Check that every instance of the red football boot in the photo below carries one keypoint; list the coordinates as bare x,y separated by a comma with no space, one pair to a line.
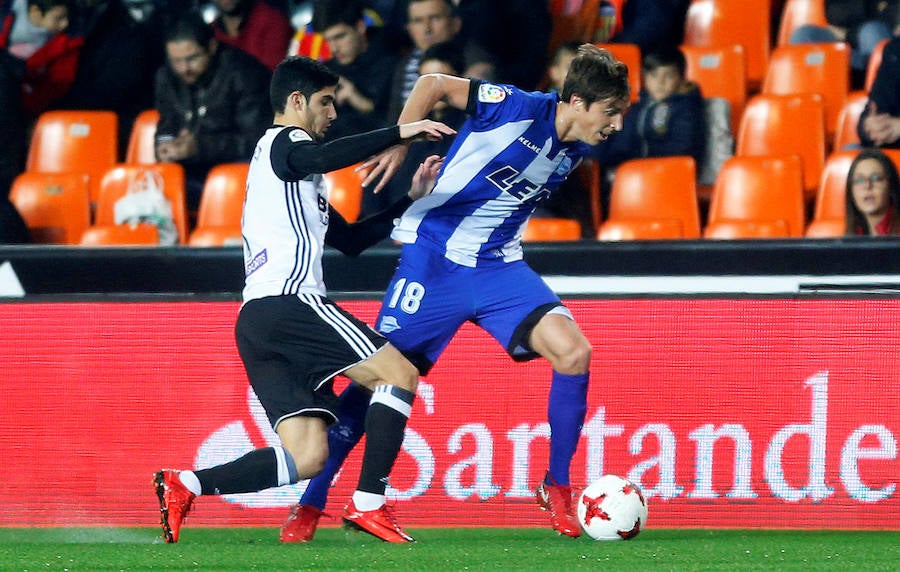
557,499
380,523
301,524
174,502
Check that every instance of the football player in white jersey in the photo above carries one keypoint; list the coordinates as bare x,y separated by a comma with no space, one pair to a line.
462,256
292,339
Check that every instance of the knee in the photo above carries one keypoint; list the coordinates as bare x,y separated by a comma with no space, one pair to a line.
575,360
310,461
407,376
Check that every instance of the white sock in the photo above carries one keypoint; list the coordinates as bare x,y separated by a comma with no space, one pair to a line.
190,482
364,501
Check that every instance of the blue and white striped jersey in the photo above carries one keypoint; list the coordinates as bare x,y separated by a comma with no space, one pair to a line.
505,160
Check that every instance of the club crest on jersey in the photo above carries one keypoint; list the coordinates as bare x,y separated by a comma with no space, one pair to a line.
298,135
488,93
564,167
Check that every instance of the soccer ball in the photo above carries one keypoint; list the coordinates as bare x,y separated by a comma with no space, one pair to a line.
612,508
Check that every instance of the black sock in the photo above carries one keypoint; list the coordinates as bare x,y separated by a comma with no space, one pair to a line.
385,423
255,471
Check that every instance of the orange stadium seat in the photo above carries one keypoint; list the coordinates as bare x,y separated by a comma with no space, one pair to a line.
551,229
116,183
630,55
653,199
757,197
345,191
874,63
798,13
142,141
56,207
121,235
79,141
717,23
221,206
829,214
785,125
720,72
822,68
848,119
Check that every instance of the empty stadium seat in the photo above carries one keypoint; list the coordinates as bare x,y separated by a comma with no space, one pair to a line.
74,141
757,197
822,68
551,229
118,182
630,55
142,141
796,13
221,206
720,72
785,125
56,207
717,23
345,191
653,199
121,235
848,120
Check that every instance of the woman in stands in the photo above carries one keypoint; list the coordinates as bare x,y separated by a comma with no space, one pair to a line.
873,195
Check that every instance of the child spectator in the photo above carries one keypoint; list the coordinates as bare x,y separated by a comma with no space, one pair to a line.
668,119
33,31
873,193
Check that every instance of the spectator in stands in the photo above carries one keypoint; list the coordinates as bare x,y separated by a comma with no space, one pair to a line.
431,22
439,58
879,123
861,23
873,195
212,101
559,65
667,120
12,159
256,27
118,60
34,32
652,24
364,66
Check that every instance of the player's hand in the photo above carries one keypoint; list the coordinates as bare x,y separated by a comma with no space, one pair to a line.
383,165
425,177
426,129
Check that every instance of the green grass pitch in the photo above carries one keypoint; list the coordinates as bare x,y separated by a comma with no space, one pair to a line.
89,549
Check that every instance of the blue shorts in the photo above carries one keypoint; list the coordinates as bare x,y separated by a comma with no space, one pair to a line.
430,297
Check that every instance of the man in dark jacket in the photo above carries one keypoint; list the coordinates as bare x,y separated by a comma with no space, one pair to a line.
212,101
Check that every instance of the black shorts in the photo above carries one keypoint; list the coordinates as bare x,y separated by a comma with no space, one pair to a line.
293,346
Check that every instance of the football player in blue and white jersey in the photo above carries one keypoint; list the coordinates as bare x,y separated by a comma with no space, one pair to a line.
462,256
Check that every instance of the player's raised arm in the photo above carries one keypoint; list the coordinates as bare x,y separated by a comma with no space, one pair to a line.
428,90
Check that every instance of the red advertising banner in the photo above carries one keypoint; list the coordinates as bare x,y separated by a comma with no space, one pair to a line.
772,413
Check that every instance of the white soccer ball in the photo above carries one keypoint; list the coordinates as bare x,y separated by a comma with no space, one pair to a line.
612,508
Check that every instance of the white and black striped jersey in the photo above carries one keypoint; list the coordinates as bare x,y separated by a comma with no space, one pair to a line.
285,224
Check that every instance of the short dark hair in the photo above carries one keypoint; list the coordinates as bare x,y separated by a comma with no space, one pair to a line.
298,73
595,75
190,27
447,52
451,6
328,13
665,57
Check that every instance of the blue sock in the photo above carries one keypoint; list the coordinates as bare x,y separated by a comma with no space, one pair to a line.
566,409
342,437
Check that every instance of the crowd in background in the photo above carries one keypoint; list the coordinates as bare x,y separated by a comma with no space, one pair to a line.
131,55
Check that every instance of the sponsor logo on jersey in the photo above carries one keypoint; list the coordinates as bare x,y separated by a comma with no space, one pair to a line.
298,135
488,93
256,262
